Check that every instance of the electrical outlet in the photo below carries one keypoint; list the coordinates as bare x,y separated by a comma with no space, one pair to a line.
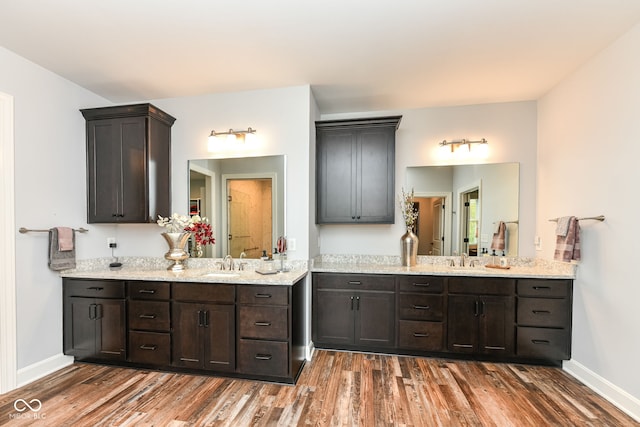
291,244
538,243
111,242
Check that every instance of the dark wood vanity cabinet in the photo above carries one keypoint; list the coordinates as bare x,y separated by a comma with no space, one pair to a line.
481,316
249,331
94,323
494,318
203,323
544,315
149,323
353,311
264,317
128,163
421,308
356,170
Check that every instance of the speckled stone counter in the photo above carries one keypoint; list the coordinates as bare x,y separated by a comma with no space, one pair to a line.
197,270
430,265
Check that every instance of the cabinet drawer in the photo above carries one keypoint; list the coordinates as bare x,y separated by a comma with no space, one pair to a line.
434,284
149,315
204,292
269,294
354,281
481,286
264,322
149,290
94,288
542,343
420,306
427,336
257,357
544,288
553,313
150,348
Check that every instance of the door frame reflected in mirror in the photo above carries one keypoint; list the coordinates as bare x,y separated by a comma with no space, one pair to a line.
226,222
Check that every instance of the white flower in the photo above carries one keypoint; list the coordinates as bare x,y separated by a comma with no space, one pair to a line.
409,213
176,223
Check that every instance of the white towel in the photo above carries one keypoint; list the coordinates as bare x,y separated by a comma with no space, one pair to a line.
563,226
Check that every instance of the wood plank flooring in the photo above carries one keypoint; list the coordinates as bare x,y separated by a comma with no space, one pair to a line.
335,388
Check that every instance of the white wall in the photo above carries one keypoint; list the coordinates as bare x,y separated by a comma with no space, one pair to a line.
588,165
49,191
510,129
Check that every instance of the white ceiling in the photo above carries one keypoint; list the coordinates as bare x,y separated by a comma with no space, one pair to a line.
357,55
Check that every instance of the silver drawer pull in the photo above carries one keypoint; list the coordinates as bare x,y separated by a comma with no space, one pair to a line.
422,307
420,335
541,342
148,347
355,282
263,295
541,288
424,285
540,311
262,323
263,356
147,316
95,288
146,291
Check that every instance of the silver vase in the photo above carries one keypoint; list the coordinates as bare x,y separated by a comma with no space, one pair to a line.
408,249
177,253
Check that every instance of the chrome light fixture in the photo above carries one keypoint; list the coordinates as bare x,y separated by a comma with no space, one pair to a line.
464,146
231,136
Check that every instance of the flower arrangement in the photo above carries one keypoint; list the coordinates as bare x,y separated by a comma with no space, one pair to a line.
176,223
201,230
409,213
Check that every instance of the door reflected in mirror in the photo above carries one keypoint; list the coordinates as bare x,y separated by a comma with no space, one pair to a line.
244,200
460,207
249,219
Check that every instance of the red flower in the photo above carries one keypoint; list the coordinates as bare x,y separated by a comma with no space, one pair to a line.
202,232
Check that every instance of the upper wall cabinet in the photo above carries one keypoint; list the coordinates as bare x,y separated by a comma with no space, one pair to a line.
128,163
356,170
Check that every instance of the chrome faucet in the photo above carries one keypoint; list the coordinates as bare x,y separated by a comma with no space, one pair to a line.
463,257
228,262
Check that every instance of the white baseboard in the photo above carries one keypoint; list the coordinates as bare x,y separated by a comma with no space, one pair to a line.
42,369
310,349
614,394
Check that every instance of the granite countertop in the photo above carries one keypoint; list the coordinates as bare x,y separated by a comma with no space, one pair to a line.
427,265
197,271
206,270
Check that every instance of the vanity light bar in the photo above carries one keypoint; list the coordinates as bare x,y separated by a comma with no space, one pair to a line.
233,132
458,142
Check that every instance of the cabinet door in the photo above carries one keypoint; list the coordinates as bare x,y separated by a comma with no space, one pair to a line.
187,336
336,184
333,314
110,327
375,175
462,319
220,337
79,328
375,319
116,161
497,326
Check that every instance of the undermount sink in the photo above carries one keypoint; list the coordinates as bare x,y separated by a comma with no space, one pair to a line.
222,274
465,268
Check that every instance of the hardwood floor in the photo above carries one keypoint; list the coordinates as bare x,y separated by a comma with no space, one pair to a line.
335,388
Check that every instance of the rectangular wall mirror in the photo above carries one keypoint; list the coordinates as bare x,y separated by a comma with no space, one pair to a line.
244,199
461,206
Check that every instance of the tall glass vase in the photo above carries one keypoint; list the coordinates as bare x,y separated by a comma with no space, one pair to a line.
408,249
177,253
